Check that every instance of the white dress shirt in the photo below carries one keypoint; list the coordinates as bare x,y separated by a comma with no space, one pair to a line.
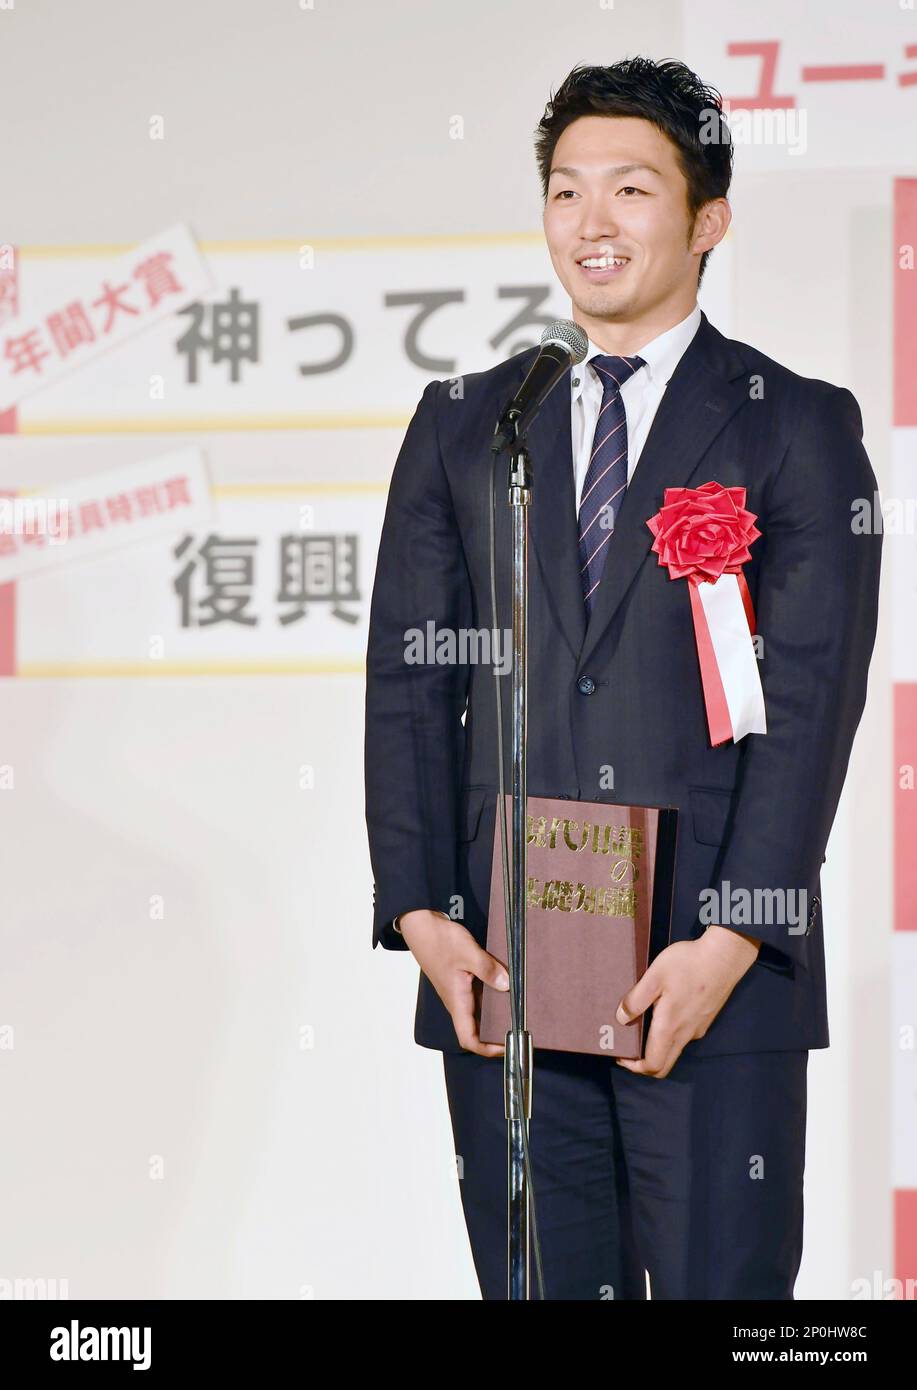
641,394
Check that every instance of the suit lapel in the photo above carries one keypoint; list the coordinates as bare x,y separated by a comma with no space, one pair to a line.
553,523
706,389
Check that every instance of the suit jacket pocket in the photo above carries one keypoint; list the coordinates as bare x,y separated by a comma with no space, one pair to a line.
711,808
473,801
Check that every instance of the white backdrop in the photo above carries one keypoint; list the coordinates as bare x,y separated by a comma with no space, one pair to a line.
208,1082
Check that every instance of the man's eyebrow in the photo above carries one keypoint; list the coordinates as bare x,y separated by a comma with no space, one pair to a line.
614,170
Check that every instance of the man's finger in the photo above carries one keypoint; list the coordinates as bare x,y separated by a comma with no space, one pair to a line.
488,969
662,1052
466,1030
465,1021
658,1046
648,1068
638,999
484,1049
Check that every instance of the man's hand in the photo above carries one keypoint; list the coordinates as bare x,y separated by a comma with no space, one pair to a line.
687,984
457,968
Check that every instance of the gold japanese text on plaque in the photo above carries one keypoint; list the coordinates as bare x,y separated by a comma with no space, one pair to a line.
624,843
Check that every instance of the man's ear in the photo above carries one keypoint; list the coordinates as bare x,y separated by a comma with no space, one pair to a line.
711,223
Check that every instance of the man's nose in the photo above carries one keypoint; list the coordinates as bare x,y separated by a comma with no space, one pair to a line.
599,223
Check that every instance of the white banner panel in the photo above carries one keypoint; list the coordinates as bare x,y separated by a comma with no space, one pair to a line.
341,334
72,314
122,507
278,580
814,86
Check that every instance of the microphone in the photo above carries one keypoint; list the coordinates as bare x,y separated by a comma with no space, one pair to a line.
563,345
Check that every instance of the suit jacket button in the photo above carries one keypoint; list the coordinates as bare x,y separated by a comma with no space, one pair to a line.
586,685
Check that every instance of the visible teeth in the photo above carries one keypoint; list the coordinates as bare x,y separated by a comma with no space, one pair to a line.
603,262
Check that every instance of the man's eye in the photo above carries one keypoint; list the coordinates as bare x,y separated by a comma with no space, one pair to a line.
563,191
630,189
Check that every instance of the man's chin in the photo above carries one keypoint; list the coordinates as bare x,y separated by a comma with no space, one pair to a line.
612,307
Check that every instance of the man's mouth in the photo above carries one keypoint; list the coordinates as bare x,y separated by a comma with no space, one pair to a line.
600,268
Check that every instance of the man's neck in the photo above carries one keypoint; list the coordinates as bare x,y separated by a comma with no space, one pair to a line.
625,338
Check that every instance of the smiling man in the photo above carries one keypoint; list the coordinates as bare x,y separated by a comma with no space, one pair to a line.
687,1164
624,220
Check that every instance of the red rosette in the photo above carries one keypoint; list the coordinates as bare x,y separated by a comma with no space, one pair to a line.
700,534
703,532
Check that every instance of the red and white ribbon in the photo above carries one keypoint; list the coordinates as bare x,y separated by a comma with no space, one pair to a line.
724,625
702,534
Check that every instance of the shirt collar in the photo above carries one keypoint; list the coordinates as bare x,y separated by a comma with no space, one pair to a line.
661,355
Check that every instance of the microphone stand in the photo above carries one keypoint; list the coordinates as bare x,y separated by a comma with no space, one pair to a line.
518,1058
562,344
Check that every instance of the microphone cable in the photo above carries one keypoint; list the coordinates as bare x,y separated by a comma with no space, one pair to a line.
508,896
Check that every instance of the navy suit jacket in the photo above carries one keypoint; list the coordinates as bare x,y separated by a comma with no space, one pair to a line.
754,815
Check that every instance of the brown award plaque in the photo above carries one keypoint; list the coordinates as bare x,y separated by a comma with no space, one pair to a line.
600,880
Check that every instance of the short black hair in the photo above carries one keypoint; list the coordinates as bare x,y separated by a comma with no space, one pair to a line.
671,97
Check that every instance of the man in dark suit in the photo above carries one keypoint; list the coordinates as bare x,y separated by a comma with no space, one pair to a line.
689,1163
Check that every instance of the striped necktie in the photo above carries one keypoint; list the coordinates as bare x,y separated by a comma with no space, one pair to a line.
605,483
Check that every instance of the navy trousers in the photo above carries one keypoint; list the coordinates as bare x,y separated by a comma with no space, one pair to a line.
696,1178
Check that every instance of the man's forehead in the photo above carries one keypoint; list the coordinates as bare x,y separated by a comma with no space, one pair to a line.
613,144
